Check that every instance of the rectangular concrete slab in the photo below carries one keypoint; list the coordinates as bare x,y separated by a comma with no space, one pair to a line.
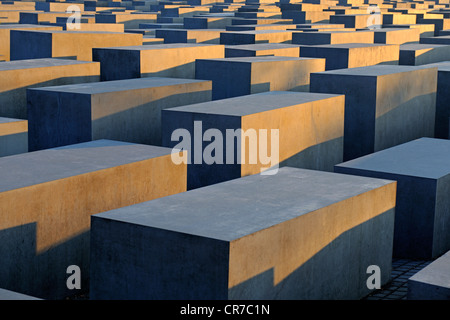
432,282
232,77
332,37
125,110
422,170
420,54
384,105
268,237
70,44
42,236
175,60
300,129
352,55
17,76
5,30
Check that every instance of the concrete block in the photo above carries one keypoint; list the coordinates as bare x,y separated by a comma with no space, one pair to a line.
124,110
69,44
160,60
436,40
420,54
351,20
256,27
432,282
262,49
396,35
211,36
130,20
422,215
299,234
13,136
63,187
207,22
425,30
256,36
17,76
5,30
309,128
352,55
384,105
332,37
233,77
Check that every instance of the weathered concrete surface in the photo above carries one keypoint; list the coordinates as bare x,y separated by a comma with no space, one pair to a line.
299,234
124,110
175,60
13,136
17,76
256,36
310,129
432,282
49,231
384,105
232,77
422,171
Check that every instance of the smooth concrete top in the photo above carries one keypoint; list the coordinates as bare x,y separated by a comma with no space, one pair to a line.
420,46
259,59
442,66
162,46
254,103
239,207
348,45
373,71
11,295
32,168
436,273
24,26
118,85
262,46
266,31
39,63
424,157
9,120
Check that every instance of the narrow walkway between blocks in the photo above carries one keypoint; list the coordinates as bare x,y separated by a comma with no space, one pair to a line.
397,288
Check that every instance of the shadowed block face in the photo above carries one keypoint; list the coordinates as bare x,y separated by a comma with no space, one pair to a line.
353,55
264,237
13,136
233,77
160,60
337,37
5,30
422,170
272,49
257,132
75,44
385,105
17,76
63,187
124,110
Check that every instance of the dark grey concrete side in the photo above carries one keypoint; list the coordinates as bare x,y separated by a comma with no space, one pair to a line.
177,247
422,171
432,282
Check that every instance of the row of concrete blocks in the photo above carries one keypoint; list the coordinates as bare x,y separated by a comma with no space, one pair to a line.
121,213
31,42
141,110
